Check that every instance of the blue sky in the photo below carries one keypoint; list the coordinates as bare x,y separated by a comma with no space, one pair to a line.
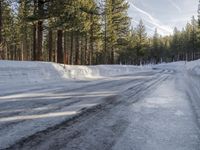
162,14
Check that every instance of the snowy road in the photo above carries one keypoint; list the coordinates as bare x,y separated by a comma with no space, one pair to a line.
148,110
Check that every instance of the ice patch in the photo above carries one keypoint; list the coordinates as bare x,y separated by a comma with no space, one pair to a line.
179,113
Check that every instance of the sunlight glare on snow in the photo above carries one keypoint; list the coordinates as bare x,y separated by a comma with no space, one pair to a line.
29,117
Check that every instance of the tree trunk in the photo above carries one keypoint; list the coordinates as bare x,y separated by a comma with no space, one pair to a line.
81,51
71,49
91,41
24,46
105,41
25,49
34,35
34,42
40,29
65,48
50,42
59,46
39,40
112,55
86,50
77,49
15,52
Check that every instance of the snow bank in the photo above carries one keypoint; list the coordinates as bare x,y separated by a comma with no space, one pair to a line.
193,67
83,72
20,73
17,72
178,66
26,72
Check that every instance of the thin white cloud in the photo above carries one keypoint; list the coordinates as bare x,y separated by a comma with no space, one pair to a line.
175,6
147,26
162,28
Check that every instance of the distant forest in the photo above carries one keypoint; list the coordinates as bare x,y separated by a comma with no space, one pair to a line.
87,32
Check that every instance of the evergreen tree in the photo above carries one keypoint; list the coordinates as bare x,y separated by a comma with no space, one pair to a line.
87,32
141,42
8,32
198,31
155,53
116,22
1,26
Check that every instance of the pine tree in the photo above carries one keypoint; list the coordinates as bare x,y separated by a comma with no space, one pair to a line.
198,31
141,42
155,51
128,54
199,13
116,26
8,32
175,45
194,39
25,33
1,26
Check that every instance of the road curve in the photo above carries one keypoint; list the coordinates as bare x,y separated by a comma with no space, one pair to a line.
122,113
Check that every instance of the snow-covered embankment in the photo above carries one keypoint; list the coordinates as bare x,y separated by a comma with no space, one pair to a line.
192,83
16,75
41,72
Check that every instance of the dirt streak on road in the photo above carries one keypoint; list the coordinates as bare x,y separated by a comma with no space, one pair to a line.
96,127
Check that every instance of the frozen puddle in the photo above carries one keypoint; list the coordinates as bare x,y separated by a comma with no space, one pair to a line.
164,120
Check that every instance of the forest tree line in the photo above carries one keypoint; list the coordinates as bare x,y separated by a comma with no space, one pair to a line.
87,32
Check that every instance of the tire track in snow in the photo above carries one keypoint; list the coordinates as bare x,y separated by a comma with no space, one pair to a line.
86,114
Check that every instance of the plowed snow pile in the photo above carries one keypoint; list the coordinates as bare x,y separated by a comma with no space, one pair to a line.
20,73
194,67
16,72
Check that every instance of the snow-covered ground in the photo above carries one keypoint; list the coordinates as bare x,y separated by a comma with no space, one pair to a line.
194,67
51,106
36,95
41,72
16,75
